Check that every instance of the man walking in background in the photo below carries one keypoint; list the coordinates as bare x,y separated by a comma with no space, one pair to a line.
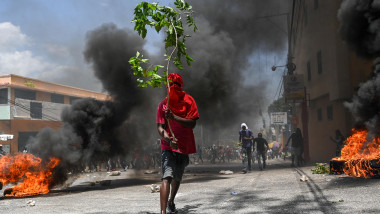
245,138
261,146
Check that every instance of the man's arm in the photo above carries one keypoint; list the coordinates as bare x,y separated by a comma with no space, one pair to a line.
266,143
161,130
289,140
189,123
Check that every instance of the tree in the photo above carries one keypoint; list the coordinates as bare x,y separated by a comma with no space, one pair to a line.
278,106
159,17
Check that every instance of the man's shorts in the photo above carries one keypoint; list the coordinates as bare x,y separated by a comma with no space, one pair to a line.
173,164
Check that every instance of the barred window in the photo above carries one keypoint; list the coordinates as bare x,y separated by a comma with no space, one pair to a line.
36,110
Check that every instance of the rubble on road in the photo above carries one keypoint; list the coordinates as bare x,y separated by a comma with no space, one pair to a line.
31,203
155,188
151,172
226,172
303,178
114,173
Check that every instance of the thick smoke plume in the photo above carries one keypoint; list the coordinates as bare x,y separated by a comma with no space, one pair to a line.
93,129
229,34
360,28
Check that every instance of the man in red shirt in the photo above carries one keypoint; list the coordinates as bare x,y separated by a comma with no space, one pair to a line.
182,114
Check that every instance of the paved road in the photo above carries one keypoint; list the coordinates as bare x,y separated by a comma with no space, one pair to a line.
278,189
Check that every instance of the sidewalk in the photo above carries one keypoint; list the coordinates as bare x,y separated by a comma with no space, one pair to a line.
278,189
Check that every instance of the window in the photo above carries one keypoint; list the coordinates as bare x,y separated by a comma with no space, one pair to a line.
57,98
319,113
308,71
4,96
319,60
36,110
25,94
72,99
329,113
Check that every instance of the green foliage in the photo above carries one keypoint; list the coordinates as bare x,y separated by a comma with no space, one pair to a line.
321,169
159,17
278,106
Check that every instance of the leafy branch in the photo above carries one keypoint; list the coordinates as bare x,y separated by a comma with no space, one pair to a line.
159,17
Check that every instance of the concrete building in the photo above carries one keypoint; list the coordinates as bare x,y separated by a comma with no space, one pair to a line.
331,72
28,105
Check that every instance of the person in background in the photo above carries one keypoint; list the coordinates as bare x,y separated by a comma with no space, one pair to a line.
296,148
339,140
245,138
182,115
261,147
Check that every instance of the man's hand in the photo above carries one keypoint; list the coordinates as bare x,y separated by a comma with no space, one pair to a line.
169,115
174,143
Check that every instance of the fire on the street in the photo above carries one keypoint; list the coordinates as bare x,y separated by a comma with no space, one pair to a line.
359,157
29,173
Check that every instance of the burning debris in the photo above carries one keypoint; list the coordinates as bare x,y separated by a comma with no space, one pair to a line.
359,158
30,174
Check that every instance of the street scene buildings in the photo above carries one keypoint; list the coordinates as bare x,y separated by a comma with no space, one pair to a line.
265,107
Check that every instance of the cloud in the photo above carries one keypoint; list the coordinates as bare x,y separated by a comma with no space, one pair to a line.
20,56
11,37
22,63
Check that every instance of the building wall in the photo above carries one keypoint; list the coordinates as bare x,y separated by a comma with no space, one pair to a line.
342,72
14,127
15,117
15,81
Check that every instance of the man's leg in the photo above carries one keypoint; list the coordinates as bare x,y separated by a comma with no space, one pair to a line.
174,189
244,159
264,159
249,155
164,193
258,155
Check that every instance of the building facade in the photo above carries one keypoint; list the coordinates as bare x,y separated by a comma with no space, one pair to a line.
29,105
331,72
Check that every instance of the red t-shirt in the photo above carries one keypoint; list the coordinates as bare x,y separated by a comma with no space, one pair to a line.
185,136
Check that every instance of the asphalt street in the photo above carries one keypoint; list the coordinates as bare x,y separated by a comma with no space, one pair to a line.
277,189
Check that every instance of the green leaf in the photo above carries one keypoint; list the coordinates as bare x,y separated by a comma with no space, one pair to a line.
159,17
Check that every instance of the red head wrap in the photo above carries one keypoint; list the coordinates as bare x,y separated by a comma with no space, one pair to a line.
179,101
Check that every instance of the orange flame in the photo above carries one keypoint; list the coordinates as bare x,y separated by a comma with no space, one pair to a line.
33,177
359,153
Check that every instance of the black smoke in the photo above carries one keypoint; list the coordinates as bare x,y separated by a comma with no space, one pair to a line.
360,29
229,34
95,130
